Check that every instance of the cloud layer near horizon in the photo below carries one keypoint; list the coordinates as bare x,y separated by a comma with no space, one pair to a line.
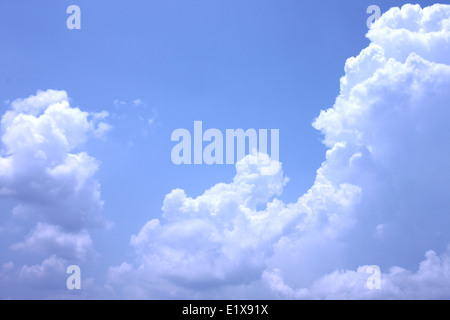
380,198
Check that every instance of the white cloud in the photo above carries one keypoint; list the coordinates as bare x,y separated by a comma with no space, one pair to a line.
389,122
138,102
119,103
380,197
49,269
220,238
430,281
413,29
50,179
216,237
102,128
45,280
41,168
53,240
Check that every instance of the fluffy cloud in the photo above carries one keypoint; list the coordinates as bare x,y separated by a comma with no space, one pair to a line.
52,240
217,237
380,197
40,168
389,121
430,281
221,238
48,272
401,31
31,281
44,171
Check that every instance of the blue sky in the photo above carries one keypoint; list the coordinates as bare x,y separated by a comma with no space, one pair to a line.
155,66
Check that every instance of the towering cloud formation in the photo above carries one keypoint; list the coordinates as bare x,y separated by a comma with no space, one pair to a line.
388,129
381,196
44,171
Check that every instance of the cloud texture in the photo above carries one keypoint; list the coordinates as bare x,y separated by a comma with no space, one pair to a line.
380,197
50,179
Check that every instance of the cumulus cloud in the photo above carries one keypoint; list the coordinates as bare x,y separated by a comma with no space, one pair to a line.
218,236
48,275
50,179
222,238
53,240
48,272
390,122
401,31
430,281
42,167
379,198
